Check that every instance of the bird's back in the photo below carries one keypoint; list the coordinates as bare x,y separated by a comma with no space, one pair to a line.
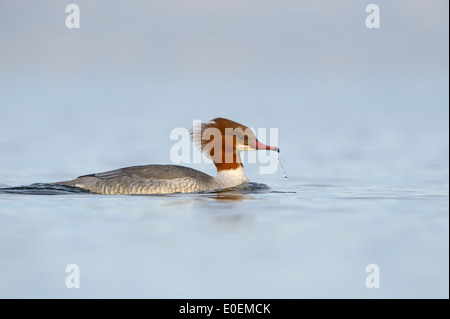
146,179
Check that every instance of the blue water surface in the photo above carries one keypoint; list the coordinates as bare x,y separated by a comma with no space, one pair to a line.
368,184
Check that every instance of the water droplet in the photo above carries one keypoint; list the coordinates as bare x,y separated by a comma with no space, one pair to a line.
282,169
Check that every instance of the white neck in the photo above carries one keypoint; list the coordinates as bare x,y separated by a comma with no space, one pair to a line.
231,177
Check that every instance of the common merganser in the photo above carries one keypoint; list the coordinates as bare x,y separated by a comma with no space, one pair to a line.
221,139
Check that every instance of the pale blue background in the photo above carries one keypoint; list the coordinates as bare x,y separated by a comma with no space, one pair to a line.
363,131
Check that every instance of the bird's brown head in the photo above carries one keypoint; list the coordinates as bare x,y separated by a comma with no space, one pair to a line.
223,140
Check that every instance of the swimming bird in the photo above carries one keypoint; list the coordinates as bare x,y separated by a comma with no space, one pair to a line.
221,139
